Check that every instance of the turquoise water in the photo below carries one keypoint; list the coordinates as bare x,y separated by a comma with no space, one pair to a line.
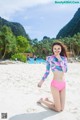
38,60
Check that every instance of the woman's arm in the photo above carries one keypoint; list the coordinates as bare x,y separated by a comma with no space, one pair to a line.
46,73
47,69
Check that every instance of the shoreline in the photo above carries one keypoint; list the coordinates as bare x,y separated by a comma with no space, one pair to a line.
19,62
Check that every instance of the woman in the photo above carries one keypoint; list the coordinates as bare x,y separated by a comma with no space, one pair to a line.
58,64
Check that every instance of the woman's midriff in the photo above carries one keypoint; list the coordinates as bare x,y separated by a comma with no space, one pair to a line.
58,75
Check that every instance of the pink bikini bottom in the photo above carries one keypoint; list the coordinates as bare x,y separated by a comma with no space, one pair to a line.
58,85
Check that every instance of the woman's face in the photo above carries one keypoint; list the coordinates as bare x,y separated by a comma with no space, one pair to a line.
57,49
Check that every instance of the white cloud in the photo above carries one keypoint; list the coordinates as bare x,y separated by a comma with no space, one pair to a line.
9,7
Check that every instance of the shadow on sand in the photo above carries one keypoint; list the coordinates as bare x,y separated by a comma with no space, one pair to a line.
34,116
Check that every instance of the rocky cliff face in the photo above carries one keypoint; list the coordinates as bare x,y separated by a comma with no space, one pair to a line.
16,28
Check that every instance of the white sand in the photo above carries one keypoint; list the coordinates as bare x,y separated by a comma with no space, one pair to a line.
19,92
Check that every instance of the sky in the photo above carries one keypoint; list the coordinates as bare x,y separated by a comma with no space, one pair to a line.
39,17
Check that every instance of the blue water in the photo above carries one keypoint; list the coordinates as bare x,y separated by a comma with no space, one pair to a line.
38,60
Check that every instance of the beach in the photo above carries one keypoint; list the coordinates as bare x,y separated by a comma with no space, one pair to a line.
19,92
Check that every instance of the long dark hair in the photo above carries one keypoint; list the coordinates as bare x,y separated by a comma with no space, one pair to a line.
63,48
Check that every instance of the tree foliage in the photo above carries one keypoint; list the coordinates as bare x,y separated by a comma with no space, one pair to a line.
7,42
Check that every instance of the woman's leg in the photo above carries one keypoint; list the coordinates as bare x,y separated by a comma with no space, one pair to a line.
56,106
49,104
56,98
62,98
46,99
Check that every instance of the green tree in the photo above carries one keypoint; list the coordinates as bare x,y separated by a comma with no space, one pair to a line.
22,44
7,42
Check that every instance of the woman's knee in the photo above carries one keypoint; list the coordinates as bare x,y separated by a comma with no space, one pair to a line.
58,109
51,106
62,108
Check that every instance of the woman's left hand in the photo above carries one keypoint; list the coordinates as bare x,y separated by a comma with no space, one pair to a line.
40,83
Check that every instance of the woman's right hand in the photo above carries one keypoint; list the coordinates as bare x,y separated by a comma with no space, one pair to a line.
40,83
